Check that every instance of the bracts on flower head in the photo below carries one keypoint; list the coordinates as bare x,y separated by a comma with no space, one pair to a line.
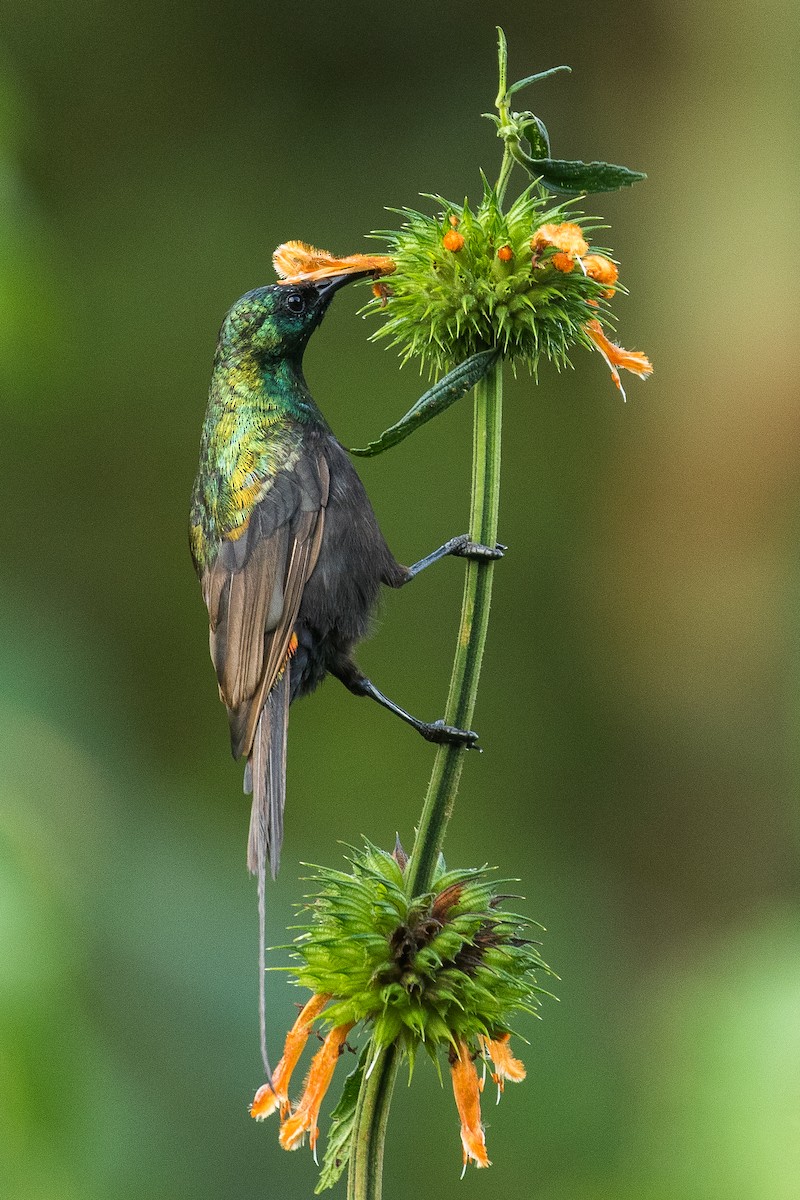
441,972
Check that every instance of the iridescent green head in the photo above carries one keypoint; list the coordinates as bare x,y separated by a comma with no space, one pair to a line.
275,322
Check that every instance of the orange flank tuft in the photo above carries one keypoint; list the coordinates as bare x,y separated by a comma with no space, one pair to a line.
304,1118
616,356
466,1090
297,262
453,240
503,1061
267,1098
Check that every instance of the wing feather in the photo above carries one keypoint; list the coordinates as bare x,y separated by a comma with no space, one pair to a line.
254,588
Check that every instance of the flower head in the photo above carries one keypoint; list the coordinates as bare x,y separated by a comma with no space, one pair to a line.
443,971
523,282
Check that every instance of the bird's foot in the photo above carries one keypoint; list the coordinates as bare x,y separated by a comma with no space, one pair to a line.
446,735
464,548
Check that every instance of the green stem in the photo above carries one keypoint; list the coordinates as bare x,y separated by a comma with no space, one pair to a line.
365,1175
369,1133
440,798
506,167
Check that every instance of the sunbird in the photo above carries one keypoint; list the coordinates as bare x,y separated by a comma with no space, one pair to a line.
288,550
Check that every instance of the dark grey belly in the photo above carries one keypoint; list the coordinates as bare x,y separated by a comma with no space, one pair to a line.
341,593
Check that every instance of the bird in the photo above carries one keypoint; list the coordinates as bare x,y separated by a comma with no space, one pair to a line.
288,551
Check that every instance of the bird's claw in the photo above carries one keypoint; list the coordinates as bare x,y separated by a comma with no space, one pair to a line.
464,548
446,735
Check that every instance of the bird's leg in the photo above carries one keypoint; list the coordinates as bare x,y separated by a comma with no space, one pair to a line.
459,547
432,731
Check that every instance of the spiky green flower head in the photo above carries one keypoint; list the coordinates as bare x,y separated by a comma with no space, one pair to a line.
434,970
468,280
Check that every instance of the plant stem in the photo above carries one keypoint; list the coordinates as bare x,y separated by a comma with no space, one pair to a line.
440,798
365,1174
369,1133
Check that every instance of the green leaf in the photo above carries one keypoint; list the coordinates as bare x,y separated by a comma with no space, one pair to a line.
523,83
536,133
340,1134
450,387
561,175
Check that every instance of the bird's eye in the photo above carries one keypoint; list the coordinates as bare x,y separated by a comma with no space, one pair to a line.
295,302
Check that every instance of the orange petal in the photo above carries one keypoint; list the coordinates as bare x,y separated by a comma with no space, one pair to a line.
297,262
304,1117
616,356
267,1098
503,1061
467,1094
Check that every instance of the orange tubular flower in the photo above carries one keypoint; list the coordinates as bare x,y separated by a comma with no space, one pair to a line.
304,1118
267,1098
297,262
563,262
615,356
598,267
503,1061
466,1090
566,237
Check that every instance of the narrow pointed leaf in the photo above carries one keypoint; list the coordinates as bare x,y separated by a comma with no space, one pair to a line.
340,1134
450,387
523,83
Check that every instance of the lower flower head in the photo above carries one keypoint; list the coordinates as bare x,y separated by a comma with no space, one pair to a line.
444,971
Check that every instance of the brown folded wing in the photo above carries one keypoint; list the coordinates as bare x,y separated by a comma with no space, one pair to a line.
254,587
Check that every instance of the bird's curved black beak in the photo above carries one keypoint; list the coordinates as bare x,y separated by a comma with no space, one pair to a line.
326,288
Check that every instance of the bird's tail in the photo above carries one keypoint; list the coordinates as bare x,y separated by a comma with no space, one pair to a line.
266,777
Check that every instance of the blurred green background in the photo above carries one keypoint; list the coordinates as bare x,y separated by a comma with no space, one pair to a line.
640,691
